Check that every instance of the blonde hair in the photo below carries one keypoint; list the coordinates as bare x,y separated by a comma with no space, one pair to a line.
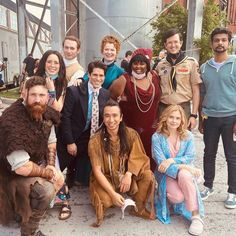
110,39
162,126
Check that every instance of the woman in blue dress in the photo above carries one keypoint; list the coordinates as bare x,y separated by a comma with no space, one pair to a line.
174,152
110,47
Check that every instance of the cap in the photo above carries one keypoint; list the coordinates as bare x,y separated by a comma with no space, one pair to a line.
147,52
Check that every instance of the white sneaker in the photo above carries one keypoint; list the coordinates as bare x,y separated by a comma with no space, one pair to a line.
230,202
196,227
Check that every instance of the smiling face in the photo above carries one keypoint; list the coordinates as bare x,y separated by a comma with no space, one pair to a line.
139,67
220,43
70,49
96,78
112,118
109,52
173,121
52,65
173,44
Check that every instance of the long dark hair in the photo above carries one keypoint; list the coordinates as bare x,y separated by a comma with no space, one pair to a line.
61,81
122,134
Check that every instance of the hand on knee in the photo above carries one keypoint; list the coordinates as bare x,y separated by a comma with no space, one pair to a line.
59,181
41,195
185,175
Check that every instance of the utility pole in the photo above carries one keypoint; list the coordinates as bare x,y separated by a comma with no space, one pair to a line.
21,25
194,29
57,24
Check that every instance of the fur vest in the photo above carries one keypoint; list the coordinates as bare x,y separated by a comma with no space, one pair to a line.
19,132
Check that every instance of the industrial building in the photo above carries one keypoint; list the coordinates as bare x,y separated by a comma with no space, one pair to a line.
21,32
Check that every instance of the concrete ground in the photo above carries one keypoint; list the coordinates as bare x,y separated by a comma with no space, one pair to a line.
218,220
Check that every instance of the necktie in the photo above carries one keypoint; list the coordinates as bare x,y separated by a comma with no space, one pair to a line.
95,114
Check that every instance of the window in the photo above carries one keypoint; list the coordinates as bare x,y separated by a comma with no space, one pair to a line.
13,21
3,16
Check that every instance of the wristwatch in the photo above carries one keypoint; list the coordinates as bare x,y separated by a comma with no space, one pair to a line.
193,115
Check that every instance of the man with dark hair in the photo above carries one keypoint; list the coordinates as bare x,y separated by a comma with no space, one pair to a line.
28,177
180,79
171,32
219,112
71,49
119,166
28,65
221,31
125,62
81,116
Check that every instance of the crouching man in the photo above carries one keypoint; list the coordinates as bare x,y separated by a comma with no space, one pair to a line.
28,178
119,166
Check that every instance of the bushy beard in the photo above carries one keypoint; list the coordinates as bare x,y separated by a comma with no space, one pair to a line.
36,111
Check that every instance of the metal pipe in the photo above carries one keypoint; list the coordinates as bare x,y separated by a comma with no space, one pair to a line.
36,4
150,20
107,23
39,26
31,28
72,26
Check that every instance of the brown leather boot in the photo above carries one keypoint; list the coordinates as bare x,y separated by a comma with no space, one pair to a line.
29,228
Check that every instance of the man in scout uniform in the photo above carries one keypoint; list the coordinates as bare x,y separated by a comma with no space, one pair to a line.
180,79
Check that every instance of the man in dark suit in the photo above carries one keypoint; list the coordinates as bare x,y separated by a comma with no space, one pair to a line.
75,127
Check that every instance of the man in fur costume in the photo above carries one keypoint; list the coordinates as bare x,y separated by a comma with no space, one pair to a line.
119,166
28,178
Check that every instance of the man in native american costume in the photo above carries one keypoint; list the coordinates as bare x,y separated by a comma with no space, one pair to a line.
28,178
119,166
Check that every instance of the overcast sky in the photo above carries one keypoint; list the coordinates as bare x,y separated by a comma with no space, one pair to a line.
37,11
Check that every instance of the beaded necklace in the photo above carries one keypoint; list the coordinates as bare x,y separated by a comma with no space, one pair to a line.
139,100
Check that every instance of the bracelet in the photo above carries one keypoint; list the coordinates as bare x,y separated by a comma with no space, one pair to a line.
127,172
193,115
52,94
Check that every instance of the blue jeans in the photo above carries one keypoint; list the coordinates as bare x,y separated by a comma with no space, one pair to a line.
214,127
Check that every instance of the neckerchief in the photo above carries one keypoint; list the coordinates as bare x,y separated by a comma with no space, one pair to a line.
180,57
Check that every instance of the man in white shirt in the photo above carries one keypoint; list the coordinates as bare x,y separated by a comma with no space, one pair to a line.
71,49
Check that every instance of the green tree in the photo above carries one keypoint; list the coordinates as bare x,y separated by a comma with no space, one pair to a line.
212,17
175,17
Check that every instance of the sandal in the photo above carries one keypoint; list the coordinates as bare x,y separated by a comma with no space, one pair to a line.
65,212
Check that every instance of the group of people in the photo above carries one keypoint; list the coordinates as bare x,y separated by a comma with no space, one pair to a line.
119,132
